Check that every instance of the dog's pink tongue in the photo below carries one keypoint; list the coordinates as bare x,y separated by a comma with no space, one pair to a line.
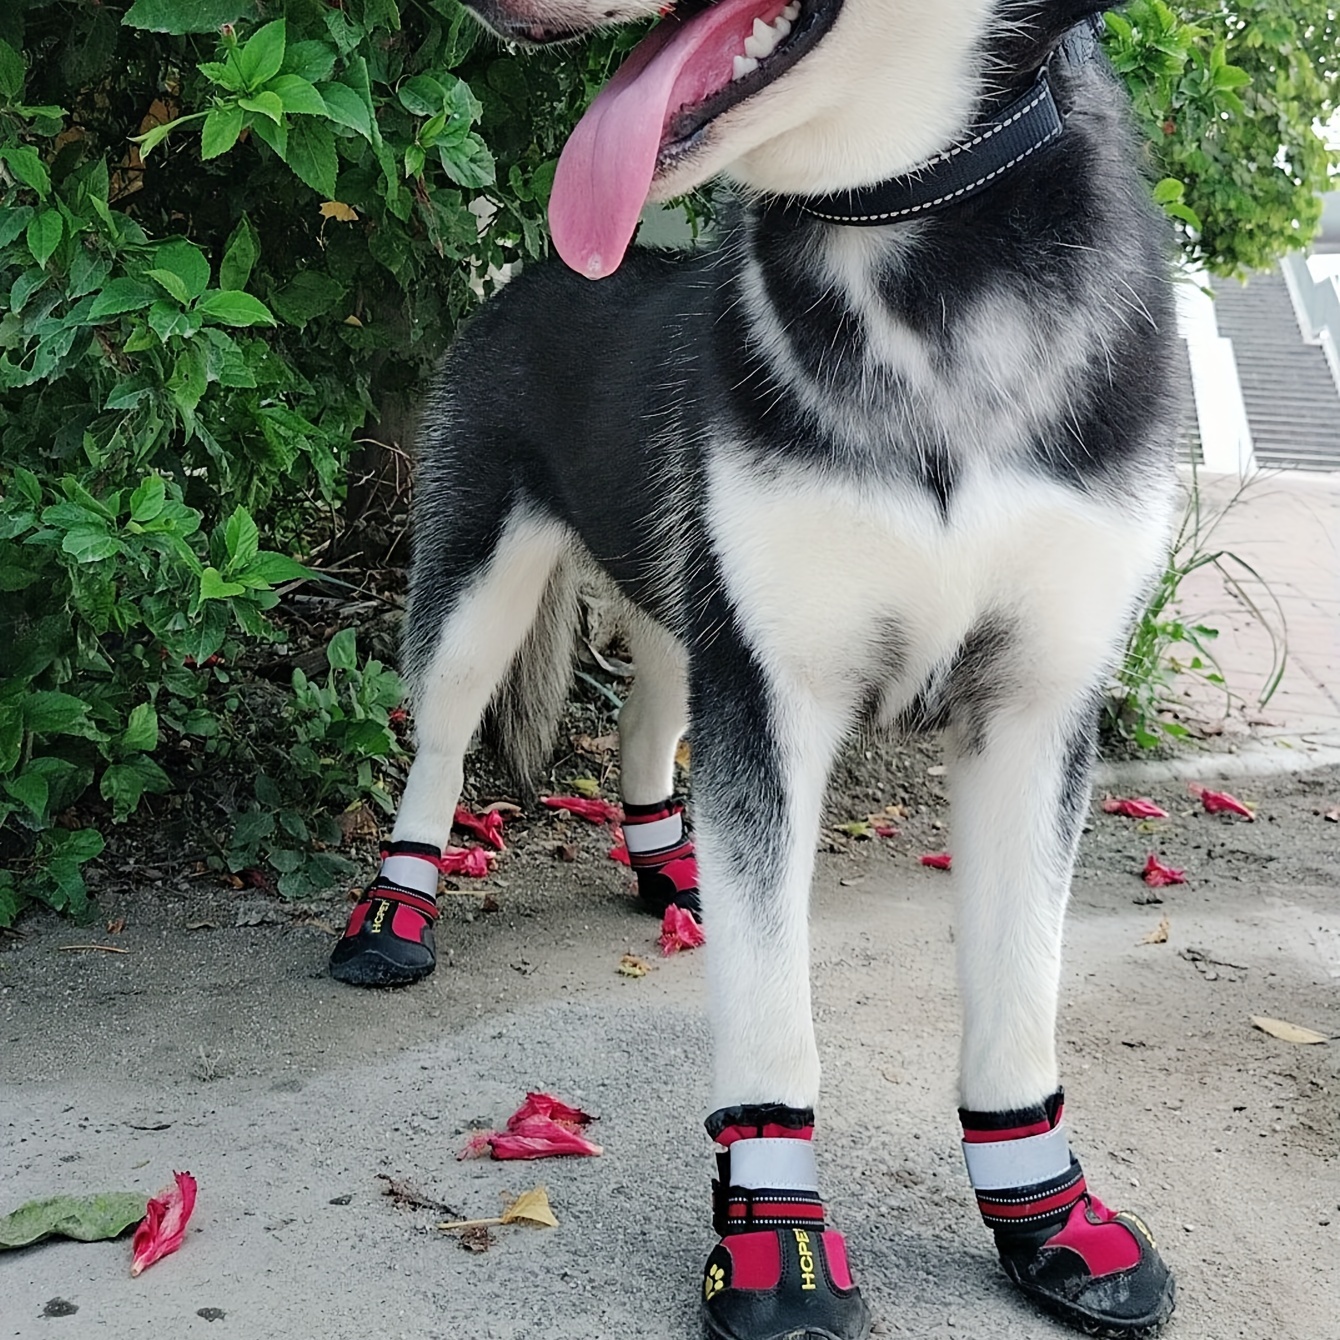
606,167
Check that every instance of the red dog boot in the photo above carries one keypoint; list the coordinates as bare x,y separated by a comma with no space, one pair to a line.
778,1272
1062,1246
660,852
389,939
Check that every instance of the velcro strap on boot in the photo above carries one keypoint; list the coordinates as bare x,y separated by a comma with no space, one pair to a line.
383,890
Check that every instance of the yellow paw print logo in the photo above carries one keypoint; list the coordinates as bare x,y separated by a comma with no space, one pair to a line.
713,1281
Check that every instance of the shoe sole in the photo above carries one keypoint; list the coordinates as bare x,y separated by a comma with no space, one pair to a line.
1104,1327
714,1332
377,972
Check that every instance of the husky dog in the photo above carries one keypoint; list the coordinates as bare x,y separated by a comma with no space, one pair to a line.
897,449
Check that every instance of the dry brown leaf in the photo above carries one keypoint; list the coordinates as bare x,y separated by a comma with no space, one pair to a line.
339,211
1159,935
356,823
503,807
531,1207
682,754
477,1239
117,926
632,966
1287,1032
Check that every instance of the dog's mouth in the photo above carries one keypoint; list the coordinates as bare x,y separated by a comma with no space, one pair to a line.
698,63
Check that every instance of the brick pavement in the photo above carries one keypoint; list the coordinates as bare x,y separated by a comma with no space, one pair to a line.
1287,527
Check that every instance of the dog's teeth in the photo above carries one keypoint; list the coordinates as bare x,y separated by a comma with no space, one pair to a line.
744,65
791,13
780,29
761,41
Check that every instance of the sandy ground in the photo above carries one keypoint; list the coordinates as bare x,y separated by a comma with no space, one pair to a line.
225,1049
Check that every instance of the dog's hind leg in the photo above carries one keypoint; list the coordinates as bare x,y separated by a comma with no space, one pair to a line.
1021,786
762,750
651,722
475,598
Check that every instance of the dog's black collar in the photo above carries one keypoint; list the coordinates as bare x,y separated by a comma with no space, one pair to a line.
992,148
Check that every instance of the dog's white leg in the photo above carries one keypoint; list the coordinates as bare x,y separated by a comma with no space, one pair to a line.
1020,783
651,721
653,716
484,607
480,633
1021,787
763,747
762,754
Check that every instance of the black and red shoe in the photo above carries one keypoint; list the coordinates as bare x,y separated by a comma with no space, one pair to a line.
660,853
779,1272
389,938
1096,1269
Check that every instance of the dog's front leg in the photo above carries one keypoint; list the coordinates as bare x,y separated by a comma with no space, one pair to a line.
1021,786
762,752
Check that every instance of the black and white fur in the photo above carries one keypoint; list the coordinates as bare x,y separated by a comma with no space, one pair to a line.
913,473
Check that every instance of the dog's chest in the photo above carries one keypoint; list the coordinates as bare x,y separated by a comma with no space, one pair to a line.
823,570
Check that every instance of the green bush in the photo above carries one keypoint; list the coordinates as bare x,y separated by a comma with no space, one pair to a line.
234,237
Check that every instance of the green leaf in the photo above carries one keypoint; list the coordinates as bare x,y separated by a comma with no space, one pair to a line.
125,783
224,74
45,231
50,712
91,546
275,135
11,73
421,95
348,108
141,732
311,154
297,95
186,261
270,568
31,789
231,307
148,500
222,127
264,104
93,1218
260,60
342,650
241,538
121,295
171,282
13,220
308,294
469,163
24,162
310,60
213,587
186,16
1168,190
239,256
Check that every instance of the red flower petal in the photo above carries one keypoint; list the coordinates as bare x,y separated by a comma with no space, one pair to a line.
941,860
541,1139
1220,802
163,1227
620,853
486,827
542,1127
1156,874
547,1106
1134,807
474,862
885,831
598,811
679,930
